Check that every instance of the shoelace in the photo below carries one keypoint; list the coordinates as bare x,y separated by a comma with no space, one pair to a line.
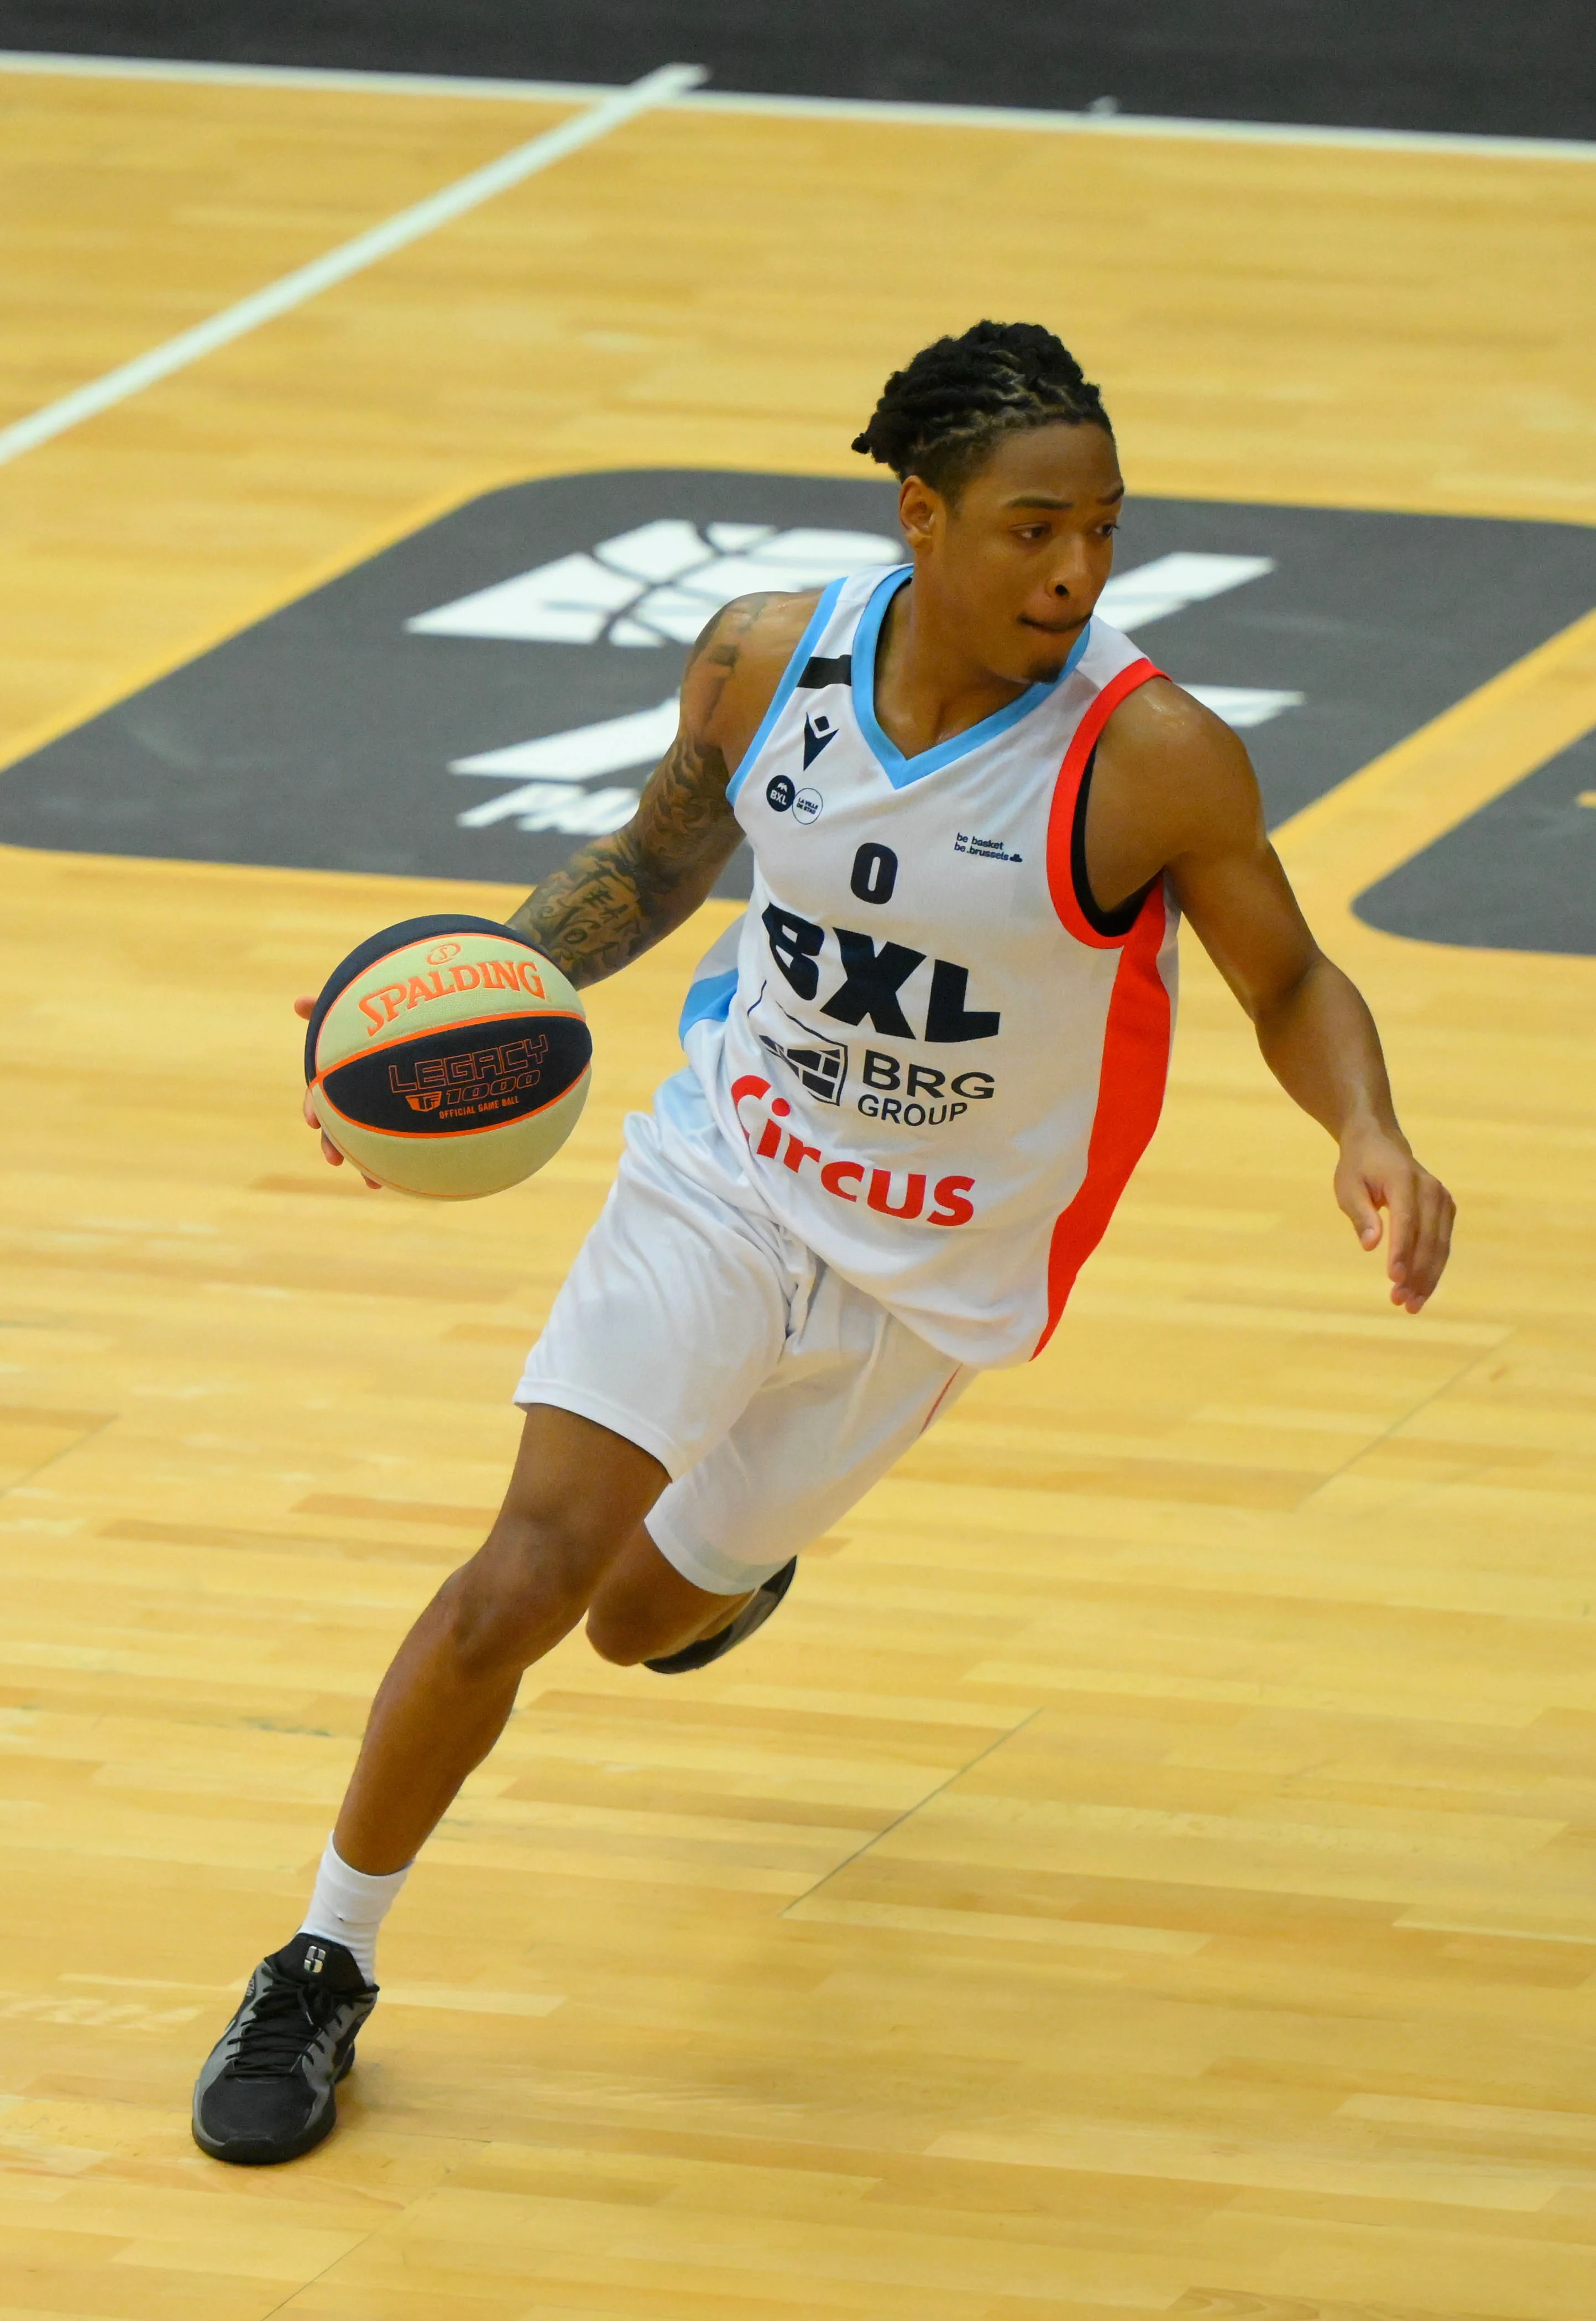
287,2018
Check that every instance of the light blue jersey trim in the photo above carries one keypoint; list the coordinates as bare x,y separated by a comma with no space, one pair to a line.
785,690
710,996
899,769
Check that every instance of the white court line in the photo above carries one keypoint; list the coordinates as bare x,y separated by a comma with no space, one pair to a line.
280,297
1153,124
819,108
349,81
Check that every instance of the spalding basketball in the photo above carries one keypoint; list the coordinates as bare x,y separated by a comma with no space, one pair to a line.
446,1057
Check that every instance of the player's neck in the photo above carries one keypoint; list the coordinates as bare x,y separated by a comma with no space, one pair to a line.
928,686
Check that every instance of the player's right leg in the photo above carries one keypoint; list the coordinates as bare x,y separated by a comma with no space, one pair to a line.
577,1497
679,1306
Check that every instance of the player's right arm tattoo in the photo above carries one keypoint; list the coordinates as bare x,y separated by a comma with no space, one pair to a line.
623,892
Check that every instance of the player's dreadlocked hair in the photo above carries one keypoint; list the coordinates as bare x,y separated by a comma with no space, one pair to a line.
939,417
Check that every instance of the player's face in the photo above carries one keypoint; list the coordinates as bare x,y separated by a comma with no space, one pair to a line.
1018,560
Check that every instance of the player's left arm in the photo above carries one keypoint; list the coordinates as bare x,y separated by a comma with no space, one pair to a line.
1193,778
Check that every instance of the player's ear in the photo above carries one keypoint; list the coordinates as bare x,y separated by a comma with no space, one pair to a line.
920,512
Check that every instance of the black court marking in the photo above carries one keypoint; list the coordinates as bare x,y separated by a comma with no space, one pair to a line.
323,737
1520,875
1409,64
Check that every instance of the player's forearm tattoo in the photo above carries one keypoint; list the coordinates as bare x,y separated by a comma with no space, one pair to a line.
622,893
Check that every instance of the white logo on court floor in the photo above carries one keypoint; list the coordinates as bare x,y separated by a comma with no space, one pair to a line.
551,774
656,586
660,584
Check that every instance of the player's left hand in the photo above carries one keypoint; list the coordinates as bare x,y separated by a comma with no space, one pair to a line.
1377,1172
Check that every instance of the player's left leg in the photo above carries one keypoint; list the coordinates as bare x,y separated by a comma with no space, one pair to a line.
648,1612
645,1607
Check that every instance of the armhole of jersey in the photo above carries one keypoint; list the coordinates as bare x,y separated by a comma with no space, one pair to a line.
1067,882
819,622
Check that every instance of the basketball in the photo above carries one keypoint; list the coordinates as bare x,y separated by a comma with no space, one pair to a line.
447,1057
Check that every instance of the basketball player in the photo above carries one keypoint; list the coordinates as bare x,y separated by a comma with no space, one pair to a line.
920,1073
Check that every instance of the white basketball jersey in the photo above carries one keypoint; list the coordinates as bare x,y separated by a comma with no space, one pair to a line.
941,1058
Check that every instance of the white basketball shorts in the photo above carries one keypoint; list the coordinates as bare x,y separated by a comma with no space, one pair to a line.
772,1392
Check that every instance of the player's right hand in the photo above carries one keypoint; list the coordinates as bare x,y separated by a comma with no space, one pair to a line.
304,1008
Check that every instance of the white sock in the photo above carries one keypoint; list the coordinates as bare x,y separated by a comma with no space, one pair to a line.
349,1907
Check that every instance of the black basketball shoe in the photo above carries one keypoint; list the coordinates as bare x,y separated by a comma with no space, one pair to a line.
759,1609
266,2091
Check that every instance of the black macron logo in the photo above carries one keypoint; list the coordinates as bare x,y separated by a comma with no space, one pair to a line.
818,733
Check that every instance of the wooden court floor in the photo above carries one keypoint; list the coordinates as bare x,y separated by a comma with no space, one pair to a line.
1149,1868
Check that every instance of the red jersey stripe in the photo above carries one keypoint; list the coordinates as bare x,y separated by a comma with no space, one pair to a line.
1129,1099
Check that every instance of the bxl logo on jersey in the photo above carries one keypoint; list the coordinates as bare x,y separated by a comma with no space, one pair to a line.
872,979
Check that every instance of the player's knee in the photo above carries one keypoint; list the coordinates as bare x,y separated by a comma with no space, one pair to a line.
526,1588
